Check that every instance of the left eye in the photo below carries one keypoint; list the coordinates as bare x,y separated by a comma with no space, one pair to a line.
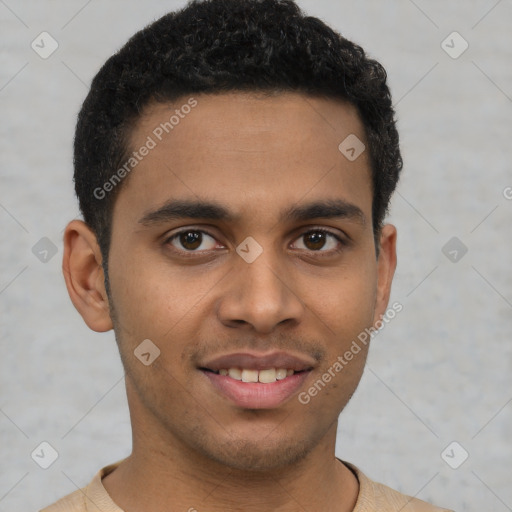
315,240
318,238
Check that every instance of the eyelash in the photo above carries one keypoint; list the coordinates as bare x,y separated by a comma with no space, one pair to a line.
191,254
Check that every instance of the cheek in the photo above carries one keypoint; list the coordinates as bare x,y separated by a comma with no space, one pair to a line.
344,300
153,300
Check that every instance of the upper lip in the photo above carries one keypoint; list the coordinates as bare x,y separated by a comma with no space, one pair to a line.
259,361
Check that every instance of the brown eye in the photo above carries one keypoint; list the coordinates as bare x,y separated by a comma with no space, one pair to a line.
321,240
315,240
191,239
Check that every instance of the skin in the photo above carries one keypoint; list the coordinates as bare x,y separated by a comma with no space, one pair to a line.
256,155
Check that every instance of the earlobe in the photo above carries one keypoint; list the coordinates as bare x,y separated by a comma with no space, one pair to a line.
83,273
386,266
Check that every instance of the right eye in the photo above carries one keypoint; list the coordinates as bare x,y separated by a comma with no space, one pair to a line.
191,240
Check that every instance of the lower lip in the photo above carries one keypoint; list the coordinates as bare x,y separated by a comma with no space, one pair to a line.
253,395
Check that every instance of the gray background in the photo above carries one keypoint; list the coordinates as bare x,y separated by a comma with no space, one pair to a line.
439,372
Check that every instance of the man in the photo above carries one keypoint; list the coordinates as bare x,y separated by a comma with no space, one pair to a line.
234,163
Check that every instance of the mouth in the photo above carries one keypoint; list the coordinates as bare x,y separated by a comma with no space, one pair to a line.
266,376
255,381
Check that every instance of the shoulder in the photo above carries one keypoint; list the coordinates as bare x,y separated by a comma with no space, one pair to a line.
377,496
74,502
92,498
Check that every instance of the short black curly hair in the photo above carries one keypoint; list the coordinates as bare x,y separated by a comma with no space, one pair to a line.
216,46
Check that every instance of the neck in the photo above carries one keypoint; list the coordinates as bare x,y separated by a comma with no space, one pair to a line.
319,482
162,474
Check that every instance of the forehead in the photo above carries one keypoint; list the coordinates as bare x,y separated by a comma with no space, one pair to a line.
253,153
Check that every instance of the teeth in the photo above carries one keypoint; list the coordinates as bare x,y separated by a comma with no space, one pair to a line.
264,376
267,376
235,373
281,374
249,375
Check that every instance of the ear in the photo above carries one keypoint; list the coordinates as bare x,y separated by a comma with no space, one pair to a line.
386,265
83,273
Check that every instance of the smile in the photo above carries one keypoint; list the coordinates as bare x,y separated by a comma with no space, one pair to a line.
262,376
252,394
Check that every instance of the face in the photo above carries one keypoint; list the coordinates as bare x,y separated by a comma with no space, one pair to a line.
242,243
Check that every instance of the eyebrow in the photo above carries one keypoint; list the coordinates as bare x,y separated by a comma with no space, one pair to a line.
190,209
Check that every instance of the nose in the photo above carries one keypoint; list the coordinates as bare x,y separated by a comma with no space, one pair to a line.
260,296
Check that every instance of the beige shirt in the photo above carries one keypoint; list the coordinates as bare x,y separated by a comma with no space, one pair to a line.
372,497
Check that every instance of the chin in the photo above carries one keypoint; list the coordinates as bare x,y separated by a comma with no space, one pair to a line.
259,456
